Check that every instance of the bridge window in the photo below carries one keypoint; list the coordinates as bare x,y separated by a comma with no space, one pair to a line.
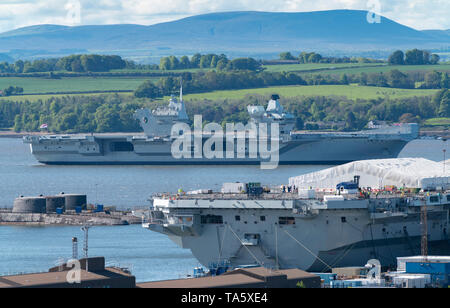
434,199
211,219
286,221
122,147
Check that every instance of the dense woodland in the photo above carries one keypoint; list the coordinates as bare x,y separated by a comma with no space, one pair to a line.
219,62
74,63
112,113
413,57
105,63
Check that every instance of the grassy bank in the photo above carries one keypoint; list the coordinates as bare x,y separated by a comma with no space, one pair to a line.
75,84
350,91
43,97
387,68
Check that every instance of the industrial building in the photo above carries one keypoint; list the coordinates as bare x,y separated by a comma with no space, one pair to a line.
50,204
98,276
30,205
258,277
421,272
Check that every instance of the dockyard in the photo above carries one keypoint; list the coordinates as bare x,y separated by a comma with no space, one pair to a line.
64,209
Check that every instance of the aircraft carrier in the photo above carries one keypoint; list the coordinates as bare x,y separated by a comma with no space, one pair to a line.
248,225
154,146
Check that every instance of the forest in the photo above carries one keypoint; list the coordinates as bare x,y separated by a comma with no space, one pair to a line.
113,113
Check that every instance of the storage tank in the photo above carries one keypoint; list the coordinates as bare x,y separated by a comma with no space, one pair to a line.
29,205
54,202
73,201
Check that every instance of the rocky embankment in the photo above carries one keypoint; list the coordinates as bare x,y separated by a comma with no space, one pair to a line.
9,218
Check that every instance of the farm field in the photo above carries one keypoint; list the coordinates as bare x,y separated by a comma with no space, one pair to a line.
385,69
190,70
350,91
43,97
438,122
73,84
317,66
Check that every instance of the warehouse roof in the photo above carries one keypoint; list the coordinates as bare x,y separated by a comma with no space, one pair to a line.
243,278
58,279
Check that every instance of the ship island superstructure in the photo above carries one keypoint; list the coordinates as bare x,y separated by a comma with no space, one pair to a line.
306,228
154,146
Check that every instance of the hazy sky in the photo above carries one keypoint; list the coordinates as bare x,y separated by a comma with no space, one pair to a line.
419,14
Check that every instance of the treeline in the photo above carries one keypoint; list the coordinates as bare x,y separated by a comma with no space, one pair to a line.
74,63
392,79
217,80
313,57
113,113
219,62
355,113
397,79
220,80
11,91
413,57
84,114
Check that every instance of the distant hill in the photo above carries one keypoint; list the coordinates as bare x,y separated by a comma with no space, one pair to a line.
231,32
438,34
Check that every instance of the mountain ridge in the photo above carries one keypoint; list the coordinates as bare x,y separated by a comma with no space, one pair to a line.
240,32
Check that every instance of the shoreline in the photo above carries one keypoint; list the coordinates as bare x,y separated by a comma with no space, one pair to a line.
8,218
12,134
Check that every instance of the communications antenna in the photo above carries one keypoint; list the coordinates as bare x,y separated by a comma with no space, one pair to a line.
74,248
85,229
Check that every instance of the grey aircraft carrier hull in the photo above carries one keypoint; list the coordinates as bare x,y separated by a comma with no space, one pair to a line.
163,126
130,150
311,234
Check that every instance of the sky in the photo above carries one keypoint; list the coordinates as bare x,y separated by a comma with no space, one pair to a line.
418,14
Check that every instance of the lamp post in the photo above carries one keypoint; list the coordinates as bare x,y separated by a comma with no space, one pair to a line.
444,150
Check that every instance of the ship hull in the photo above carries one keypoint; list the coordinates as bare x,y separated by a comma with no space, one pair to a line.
331,239
328,151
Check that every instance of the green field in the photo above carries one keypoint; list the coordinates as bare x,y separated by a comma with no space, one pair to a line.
351,91
43,97
190,70
316,66
438,122
73,84
386,68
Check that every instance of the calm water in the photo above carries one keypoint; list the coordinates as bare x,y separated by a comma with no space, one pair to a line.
152,256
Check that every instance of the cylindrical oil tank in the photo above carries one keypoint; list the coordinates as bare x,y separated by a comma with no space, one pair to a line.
29,205
54,202
73,201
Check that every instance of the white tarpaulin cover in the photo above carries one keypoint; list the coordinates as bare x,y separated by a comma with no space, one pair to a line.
408,172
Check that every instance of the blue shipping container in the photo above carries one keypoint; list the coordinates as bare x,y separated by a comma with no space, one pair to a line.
428,268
